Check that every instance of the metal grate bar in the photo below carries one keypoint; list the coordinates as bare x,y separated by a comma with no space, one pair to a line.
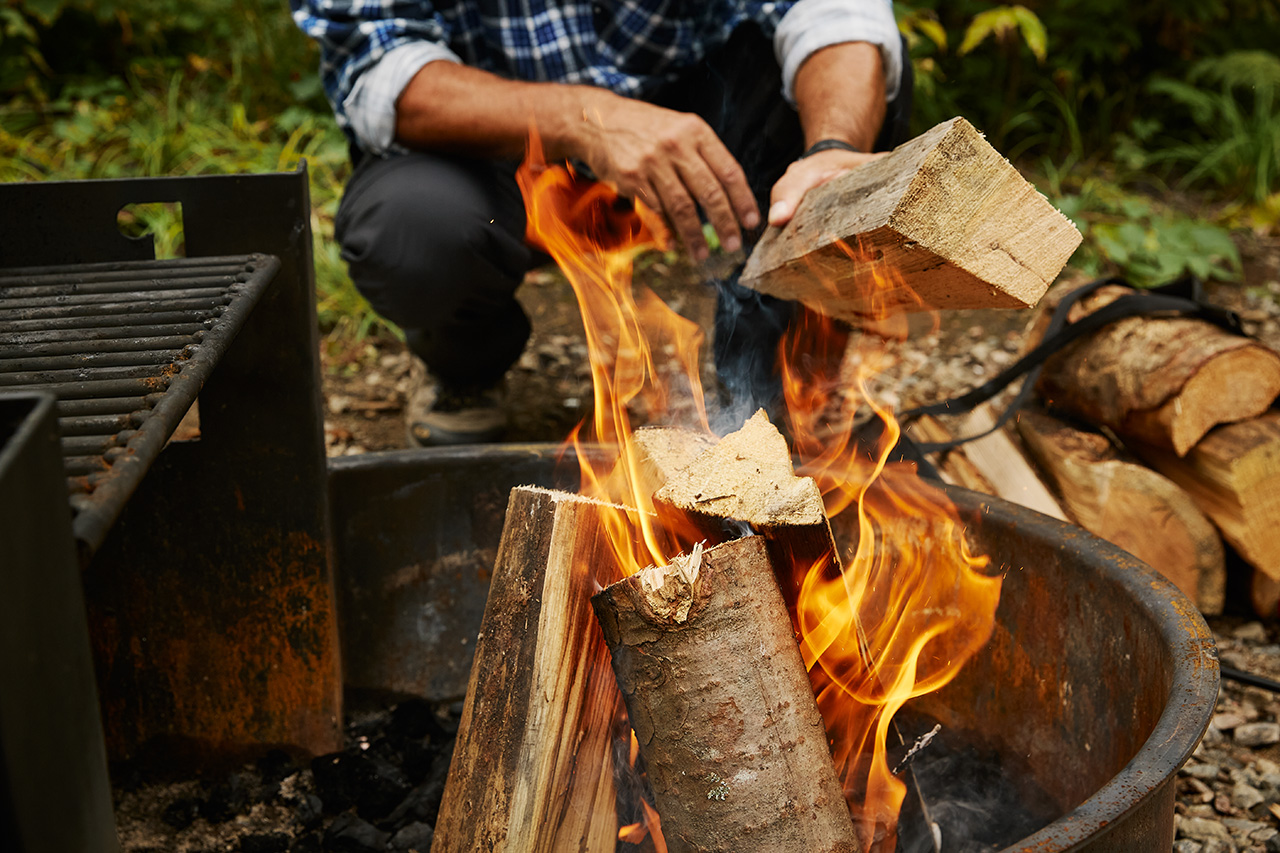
125,347
80,347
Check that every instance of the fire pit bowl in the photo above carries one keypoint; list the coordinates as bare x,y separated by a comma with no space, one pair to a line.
1097,684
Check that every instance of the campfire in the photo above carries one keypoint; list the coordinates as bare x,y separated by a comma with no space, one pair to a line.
686,631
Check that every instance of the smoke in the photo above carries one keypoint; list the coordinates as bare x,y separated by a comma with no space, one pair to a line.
748,329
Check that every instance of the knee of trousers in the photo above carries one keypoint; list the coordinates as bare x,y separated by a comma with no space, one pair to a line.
428,257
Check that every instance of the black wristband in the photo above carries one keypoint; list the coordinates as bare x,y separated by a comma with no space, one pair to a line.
828,144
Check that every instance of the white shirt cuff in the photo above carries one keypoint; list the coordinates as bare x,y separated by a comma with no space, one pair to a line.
811,25
371,105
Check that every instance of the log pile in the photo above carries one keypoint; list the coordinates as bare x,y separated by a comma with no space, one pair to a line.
1154,433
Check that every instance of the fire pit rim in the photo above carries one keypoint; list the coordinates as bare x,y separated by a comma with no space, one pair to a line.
1193,681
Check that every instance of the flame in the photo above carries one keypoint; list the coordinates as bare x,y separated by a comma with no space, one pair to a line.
906,608
594,236
911,604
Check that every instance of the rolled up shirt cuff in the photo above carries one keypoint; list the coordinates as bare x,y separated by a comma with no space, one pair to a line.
371,106
811,25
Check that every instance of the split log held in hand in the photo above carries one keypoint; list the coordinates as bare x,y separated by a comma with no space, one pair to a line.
1165,381
946,214
532,767
721,705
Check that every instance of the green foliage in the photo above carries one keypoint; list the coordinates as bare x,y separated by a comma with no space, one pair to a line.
1147,243
1002,23
1234,140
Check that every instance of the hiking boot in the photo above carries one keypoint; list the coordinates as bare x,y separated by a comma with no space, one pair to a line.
437,414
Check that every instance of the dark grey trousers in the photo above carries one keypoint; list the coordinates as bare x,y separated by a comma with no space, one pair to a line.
436,243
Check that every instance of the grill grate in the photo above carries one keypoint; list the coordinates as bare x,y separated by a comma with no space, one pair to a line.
126,348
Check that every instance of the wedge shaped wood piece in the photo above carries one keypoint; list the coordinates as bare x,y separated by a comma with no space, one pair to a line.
944,215
532,769
721,705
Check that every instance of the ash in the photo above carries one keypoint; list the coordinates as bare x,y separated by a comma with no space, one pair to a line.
380,793
974,799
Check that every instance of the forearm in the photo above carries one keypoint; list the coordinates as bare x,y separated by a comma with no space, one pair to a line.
840,94
455,108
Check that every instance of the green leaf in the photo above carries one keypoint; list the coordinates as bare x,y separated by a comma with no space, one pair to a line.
997,22
1033,32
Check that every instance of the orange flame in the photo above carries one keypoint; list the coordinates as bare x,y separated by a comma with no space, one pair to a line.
909,606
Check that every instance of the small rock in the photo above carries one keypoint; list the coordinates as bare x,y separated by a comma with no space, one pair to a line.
1264,767
1186,845
1273,844
1242,828
1257,734
1203,772
225,800
1246,796
1202,829
1251,632
1203,810
414,838
309,810
1218,845
1228,721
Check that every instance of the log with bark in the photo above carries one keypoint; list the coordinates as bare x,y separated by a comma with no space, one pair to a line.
720,702
1130,505
944,221
532,766
1233,474
1165,381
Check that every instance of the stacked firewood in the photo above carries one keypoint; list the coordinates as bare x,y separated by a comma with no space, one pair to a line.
1156,433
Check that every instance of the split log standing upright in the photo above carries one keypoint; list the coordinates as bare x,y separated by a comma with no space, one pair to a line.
532,767
721,704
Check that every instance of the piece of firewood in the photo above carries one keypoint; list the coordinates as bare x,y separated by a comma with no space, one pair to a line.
719,699
663,451
952,464
1131,506
944,221
747,479
1165,381
996,458
1264,595
532,766
1234,476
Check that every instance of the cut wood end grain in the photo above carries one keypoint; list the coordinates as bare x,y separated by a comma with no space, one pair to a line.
747,476
671,590
944,221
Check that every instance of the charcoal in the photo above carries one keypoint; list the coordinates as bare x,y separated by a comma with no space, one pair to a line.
413,838
265,842
225,800
417,757
181,813
309,843
276,766
350,834
309,809
355,777
413,719
423,802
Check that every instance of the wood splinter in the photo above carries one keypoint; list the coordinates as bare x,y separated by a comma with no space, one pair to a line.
721,705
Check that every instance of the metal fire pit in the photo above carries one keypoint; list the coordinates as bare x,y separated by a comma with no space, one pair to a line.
1097,684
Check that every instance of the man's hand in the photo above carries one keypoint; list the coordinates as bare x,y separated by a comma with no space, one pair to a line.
674,163
803,175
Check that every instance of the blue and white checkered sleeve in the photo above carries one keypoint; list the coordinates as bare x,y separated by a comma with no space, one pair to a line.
355,35
811,25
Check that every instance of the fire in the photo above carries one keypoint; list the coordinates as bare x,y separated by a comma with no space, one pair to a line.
903,612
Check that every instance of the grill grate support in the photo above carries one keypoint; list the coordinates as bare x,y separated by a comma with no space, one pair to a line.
125,347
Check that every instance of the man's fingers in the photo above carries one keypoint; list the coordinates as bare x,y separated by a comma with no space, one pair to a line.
681,211
803,175
730,176
711,197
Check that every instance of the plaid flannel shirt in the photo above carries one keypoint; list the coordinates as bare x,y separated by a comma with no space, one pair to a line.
371,49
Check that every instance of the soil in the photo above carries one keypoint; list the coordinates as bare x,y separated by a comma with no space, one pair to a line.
1228,794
